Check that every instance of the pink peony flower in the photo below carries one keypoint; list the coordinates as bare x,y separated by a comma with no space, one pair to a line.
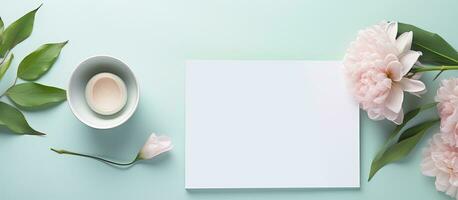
440,160
451,136
447,98
376,65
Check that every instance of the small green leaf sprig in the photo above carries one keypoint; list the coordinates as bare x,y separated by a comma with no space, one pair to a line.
26,95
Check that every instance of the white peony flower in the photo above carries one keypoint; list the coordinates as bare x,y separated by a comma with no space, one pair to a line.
377,65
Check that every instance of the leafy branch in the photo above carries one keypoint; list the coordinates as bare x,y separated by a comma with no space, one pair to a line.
27,95
436,51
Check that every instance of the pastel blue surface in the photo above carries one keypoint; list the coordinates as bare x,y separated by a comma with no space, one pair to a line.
156,38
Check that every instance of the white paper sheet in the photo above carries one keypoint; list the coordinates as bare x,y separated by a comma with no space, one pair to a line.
270,124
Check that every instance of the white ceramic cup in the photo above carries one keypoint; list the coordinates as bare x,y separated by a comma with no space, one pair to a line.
77,88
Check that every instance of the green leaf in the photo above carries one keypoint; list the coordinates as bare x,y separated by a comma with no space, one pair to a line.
413,132
17,32
434,48
34,95
1,24
393,138
40,61
1,31
14,120
5,65
401,149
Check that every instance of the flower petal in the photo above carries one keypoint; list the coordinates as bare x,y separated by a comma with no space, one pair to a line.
390,58
394,70
399,118
410,85
451,191
442,182
404,42
392,30
408,60
390,115
427,166
164,141
374,115
453,179
418,94
152,138
394,100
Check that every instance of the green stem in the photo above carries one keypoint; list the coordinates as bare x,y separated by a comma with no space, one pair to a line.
5,57
14,83
94,157
15,80
434,68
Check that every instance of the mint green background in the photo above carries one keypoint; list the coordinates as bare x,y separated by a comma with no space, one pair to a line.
155,38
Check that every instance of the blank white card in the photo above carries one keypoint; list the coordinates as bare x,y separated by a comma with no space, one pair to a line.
270,124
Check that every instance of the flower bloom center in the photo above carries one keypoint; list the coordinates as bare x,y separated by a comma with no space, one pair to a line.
373,86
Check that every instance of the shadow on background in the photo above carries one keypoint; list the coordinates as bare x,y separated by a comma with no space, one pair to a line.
277,191
121,143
